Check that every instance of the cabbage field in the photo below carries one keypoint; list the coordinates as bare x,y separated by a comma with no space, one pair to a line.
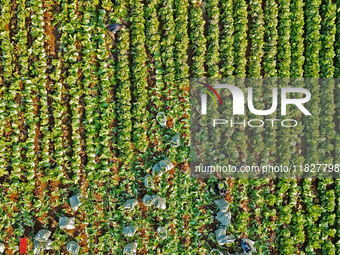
82,112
